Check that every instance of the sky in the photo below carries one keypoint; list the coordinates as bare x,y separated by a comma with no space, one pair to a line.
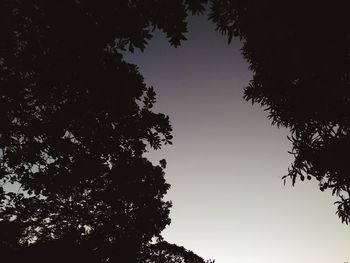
226,161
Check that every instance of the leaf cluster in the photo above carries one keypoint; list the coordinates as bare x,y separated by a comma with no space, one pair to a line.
76,120
299,52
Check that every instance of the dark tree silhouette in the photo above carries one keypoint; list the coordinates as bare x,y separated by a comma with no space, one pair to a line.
299,54
67,250
76,120
164,252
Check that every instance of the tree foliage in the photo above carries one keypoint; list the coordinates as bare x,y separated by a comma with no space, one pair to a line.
299,54
164,252
76,120
67,250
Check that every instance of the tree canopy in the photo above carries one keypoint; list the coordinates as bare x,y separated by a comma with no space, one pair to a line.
299,52
76,120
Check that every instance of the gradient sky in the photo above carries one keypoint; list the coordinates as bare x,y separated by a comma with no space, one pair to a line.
226,164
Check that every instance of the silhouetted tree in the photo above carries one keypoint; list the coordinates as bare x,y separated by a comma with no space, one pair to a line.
164,252
76,120
299,54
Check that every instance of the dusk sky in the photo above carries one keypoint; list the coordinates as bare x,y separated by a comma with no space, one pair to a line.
226,163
